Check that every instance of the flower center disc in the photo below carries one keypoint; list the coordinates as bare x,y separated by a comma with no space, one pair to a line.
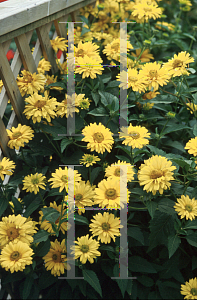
15,255
35,180
12,233
78,197
105,226
156,174
115,46
194,291
57,257
40,103
98,136
118,172
153,73
111,194
189,208
64,178
132,78
16,134
134,135
80,52
177,63
84,248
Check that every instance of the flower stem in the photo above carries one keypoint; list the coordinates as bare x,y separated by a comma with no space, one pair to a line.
90,178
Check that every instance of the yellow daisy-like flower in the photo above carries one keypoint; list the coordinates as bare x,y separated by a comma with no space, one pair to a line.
59,43
16,256
191,146
86,249
45,225
155,74
189,289
186,207
89,67
178,65
43,66
84,103
88,48
89,160
148,106
6,167
155,174
113,49
33,182
170,26
145,57
99,138
52,79
109,194
60,178
146,10
16,228
30,83
185,2
56,260
1,85
40,107
193,107
133,80
135,136
150,95
115,171
105,226
68,106
19,135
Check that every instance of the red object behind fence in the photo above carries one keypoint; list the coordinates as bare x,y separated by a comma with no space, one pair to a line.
10,53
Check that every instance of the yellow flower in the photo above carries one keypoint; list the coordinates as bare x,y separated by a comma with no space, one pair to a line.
89,160
109,194
45,225
88,48
178,65
1,85
133,80
52,79
155,74
43,66
145,57
148,106
185,2
33,182
15,256
89,66
60,178
86,249
186,207
105,226
19,135
59,43
191,146
115,171
99,138
170,26
146,11
135,136
150,95
40,107
5,166
16,228
30,83
84,103
193,107
113,49
189,289
155,174
68,106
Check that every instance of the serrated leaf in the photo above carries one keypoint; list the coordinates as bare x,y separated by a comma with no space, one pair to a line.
84,30
107,248
190,224
43,248
176,127
166,205
156,151
81,219
139,264
192,239
145,280
41,236
3,205
31,208
84,19
95,173
173,244
27,286
195,129
95,97
152,206
50,214
92,279
99,111
136,234
64,144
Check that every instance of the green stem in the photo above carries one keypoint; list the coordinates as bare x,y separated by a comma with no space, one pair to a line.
58,153
41,198
131,156
162,132
83,85
90,178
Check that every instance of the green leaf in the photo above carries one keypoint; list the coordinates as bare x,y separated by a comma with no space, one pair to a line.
50,214
189,36
32,207
92,279
81,219
99,111
176,127
112,84
107,248
43,248
173,244
126,149
46,279
166,205
123,158
152,206
190,224
194,262
64,143
108,99
195,129
95,173
41,236
136,234
122,283
84,19
84,30
27,286
105,77
3,205
145,280
139,264
156,151
192,239
95,97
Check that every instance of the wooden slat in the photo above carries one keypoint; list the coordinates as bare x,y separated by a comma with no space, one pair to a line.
37,52
11,86
43,35
25,53
4,139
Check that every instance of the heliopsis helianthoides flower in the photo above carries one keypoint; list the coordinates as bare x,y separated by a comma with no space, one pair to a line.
68,106
109,194
191,146
45,225
135,136
84,195
155,74
59,43
160,25
155,174
88,48
86,249
99,138
16,256
83,102
145,57
185,5
150,95
113,49
89,160
19,135
52,79
16,228
30,83
189,289
89,67
43,66
32,183
60,178
105,226
56,260
115,171
132,79
39,107
6,167
178,65
186,207
146,10
193,107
